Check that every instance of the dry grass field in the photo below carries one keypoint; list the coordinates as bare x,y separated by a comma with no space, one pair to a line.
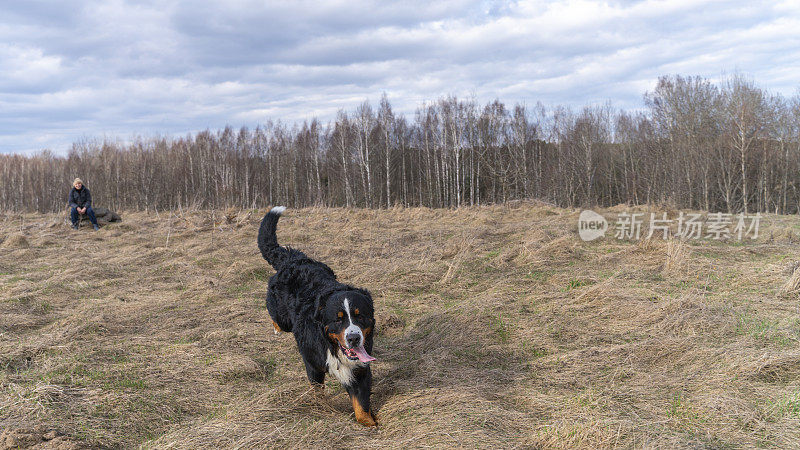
497,327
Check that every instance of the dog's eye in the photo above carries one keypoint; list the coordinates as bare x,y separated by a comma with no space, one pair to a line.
340,315
355,311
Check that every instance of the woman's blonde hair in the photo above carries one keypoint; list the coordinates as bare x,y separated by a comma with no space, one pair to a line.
77,180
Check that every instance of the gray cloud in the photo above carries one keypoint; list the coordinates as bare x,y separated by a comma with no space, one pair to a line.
119,68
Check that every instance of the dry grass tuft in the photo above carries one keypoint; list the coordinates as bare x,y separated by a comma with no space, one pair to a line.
792,286
678,257
455,254
649,245
560,249
784,368
15,241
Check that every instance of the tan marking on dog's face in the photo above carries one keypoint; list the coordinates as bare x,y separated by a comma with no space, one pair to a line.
367,331
338,337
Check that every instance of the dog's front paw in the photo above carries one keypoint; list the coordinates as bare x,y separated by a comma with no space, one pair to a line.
367,419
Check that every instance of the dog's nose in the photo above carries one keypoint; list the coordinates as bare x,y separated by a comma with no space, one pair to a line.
353,339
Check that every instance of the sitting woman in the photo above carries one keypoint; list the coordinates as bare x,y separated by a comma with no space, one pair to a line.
80,200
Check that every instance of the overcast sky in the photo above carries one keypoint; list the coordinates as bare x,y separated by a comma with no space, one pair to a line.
117,69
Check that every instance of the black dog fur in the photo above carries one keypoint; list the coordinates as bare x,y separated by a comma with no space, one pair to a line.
332,322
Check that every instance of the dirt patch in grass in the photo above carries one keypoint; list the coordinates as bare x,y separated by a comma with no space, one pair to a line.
496,327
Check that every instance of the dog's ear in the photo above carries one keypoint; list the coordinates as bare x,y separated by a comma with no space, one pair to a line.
319,308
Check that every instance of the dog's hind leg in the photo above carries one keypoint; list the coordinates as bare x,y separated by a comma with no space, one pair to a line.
274,310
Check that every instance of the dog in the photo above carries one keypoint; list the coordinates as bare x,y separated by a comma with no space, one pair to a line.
332,322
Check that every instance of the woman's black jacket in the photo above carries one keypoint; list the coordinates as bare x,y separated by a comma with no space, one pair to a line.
79,199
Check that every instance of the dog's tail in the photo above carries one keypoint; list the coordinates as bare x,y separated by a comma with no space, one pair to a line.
268,240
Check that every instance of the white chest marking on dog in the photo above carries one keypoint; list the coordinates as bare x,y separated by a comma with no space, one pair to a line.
341,368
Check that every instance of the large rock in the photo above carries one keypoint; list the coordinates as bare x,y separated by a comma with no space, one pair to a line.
107,215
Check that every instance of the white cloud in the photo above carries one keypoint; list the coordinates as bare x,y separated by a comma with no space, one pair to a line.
119,68
25,67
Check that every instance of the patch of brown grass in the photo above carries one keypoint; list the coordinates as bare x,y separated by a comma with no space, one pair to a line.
496,327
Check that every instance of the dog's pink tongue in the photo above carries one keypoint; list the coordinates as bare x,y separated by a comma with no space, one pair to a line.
362,354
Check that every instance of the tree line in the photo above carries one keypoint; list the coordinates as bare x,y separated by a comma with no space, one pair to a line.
730,146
